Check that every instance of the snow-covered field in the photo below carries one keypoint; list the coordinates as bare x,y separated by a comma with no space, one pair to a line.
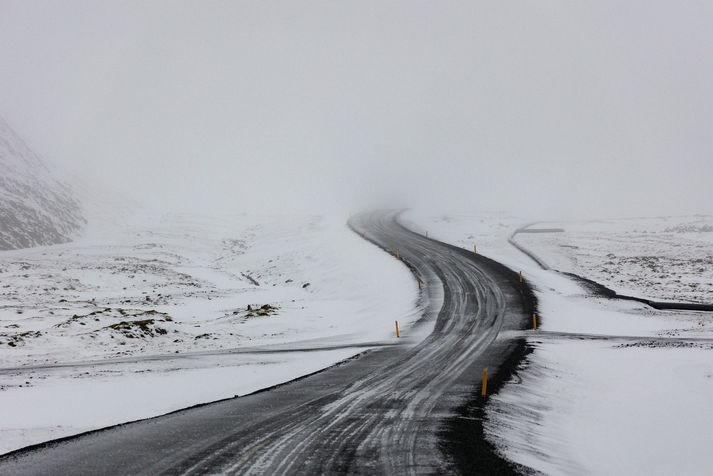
612,387
93,332
664,258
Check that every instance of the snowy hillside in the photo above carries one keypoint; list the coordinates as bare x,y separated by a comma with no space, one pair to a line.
35,208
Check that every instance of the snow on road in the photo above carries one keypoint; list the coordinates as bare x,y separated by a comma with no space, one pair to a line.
191,286
579,406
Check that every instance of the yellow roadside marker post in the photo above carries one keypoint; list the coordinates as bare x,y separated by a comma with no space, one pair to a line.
534,322
397,329
484,388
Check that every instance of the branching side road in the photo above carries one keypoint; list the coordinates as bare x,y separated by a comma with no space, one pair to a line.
395,410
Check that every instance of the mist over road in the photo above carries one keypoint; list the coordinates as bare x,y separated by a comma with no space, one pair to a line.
393,410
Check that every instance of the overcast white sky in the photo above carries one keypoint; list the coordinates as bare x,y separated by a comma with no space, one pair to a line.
576,108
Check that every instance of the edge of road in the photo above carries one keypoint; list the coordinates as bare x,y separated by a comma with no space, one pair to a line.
463,436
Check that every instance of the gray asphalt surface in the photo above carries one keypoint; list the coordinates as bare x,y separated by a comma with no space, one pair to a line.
388,411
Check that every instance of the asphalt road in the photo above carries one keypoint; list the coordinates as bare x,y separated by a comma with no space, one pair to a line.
406,409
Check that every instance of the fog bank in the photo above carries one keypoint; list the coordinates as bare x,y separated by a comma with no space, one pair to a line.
551,109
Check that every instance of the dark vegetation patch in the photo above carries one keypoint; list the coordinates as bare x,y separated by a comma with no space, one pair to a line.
660,344
138,328
18,339
111,312
256,310
689,228
262,311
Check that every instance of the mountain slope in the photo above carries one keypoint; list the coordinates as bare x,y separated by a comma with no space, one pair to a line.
35,208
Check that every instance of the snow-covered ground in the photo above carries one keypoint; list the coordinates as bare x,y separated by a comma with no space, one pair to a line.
184,303
663,258
637,402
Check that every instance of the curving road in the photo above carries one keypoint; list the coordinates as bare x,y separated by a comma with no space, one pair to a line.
411,408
